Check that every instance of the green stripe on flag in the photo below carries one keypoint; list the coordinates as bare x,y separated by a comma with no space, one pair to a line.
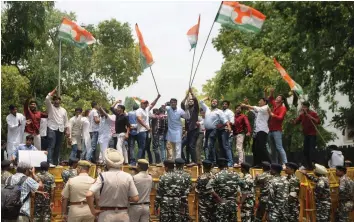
68,38
226,20
143,62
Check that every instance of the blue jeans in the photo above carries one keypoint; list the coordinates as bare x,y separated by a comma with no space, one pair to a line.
276,145
73,151
158,146
224,139
55,138
131,144
142,139
209,145
91,156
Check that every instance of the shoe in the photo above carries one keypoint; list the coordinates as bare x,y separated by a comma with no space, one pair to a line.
52,165
284,167
191,165
159,165
302,168
237,165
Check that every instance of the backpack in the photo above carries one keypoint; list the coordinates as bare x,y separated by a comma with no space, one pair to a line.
11,199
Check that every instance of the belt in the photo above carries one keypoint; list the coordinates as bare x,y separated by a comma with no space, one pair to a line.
78,203
133,204
113,208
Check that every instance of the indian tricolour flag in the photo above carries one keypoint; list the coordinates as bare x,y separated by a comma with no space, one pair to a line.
193,34
146,59
293,85
239,16
73,33
136,100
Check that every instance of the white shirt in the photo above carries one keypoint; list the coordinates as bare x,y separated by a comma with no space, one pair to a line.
104,132
57,116
230,116
337,159
94,127
144,114
43,127
212,117
262,118
75,125
14,131
174,133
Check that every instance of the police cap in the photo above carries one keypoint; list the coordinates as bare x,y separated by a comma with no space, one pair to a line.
292,165
276,167
179,161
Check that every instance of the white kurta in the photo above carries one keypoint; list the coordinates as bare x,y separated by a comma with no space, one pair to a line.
14,131
86,133
75,127
105,133
174,133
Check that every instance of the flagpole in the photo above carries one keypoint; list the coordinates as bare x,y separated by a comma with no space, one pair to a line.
211,28
59,88
154,81
190,77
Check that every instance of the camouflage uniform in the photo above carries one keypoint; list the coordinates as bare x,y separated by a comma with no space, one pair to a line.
247,188
226,185
277,199
168,197
262,181
293,200
206,202
4,175
42,211
322,197
67,174
187,187
345,204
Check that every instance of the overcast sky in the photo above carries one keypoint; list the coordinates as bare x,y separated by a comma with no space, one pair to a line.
164,26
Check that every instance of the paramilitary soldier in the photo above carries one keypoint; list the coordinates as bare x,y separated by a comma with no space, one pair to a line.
206,203
71,172
42,203
225,185
345,201
140,211
74,193
116,189
278,195
187,187
262,181
322,193
294,189
168,194
248,195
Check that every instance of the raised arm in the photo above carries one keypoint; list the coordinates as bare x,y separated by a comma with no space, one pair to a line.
203,105
112,108
48,98
155,101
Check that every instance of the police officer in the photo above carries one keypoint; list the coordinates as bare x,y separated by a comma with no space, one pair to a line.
248,195
71,172
278,195
345,203
5,170
168,194
262,181
140,211
206,202
225,185
116,189
74,193
322,193
187,186
43,204
294,189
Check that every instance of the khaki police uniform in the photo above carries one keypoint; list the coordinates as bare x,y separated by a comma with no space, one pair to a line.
114,187
75,191
140,212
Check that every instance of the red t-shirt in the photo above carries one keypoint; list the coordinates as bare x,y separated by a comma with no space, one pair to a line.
308,124
241,123
35,117
279,111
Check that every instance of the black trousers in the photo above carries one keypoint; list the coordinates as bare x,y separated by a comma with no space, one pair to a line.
192,137
309,150
259,148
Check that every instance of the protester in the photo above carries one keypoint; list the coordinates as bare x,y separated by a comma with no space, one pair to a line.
200,140
191,125
241,128
159,128
225,133
94,119
308,119
143,116
57,125
104,131
33,121
133,134
15,128
75,129
27,146
277,115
